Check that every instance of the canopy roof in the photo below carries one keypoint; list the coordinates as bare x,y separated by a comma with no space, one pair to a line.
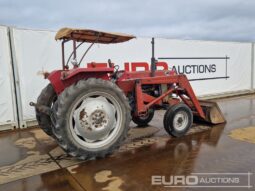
92,36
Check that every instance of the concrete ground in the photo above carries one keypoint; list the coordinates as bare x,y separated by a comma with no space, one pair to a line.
30,160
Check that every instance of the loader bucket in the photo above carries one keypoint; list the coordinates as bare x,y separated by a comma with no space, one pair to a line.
212,112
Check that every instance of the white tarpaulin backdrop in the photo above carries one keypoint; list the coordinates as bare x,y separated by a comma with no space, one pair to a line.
238,67
253,64
37,50
34,51
7,106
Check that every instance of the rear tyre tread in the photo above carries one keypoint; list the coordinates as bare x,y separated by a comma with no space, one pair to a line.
66,98
46,98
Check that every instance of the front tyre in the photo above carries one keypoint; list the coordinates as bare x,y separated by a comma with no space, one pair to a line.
178,119
92,118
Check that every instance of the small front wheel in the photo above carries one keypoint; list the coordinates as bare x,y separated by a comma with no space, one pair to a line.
178,119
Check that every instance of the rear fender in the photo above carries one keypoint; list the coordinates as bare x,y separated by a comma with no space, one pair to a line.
62,79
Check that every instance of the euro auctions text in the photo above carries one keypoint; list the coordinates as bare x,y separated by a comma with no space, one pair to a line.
231,180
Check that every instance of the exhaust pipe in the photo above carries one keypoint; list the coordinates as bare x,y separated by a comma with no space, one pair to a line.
153,60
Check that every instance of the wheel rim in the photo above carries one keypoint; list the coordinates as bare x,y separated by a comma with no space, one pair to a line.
95,119
180,121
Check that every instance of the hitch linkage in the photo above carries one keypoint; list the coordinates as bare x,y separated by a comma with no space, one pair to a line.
42,108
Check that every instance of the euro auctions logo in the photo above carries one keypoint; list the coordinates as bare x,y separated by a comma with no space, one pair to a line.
174,180
195,69
206,180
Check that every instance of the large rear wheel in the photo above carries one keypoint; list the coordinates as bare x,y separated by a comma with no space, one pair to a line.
92,118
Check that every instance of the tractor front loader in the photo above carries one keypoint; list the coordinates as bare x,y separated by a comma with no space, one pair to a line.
88,109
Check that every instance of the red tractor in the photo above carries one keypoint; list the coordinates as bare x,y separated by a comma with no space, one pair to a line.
88,110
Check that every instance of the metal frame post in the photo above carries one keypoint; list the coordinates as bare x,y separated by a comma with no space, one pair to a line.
63,54
252,66
16,81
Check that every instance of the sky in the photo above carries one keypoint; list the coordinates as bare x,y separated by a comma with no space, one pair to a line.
227,20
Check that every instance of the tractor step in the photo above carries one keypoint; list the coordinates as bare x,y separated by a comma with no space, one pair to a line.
212,112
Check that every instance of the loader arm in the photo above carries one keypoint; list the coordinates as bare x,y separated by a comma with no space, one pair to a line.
185,85
182,88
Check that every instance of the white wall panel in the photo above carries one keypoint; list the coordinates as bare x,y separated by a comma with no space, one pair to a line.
253,65
7,105
239,64
35,51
